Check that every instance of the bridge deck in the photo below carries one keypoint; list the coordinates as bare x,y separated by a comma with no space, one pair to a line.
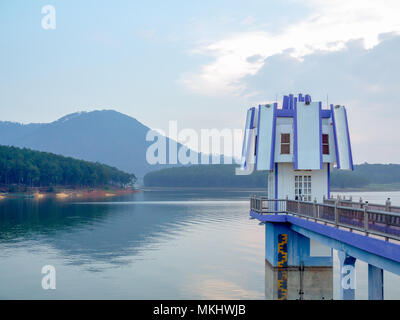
351,215
369,235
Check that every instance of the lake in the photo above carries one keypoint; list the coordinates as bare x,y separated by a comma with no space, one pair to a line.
151,245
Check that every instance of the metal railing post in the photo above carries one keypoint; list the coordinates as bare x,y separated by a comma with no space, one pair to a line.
315,208
298,205
285,206
388,205
336,213
366,218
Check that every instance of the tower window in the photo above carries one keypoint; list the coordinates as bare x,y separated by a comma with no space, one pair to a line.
302,188
285,143
325,144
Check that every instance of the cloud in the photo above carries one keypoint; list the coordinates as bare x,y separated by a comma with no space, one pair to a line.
366,81
328,27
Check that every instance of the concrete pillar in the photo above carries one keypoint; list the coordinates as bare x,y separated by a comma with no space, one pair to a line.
287,248
292,283
375,283
291,271
347,276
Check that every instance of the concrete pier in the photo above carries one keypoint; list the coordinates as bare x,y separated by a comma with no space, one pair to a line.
296,283
375,283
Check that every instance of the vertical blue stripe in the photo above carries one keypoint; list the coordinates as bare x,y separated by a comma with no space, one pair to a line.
276,186
285,104
272,160
290,101
348,139
295,137
329,180
335,136
258,135
249,142
320,136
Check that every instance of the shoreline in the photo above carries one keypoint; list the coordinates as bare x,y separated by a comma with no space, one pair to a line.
378,189
65,193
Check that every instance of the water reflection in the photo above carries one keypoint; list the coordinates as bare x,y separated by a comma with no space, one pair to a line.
154,245
307,283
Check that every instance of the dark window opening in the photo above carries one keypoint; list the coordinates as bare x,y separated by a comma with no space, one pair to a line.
325,144
285,143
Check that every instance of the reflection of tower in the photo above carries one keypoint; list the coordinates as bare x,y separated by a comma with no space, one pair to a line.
293,283
295,266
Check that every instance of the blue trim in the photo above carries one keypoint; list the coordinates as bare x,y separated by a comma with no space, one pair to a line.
296,165
329,180
276,186
321,165
335,136
258,132
307,98
286,113
285,104
272,160
326,113
290,101
348,140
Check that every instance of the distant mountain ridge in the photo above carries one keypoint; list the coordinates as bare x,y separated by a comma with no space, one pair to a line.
105,136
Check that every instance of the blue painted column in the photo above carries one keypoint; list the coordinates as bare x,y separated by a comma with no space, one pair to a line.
375,283
347,276
287,248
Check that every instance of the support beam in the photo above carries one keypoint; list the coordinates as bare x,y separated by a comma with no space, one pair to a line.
347,276
375,283
287,248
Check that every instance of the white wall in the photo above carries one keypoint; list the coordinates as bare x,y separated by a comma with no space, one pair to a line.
327,128
283,125
286,174
308,136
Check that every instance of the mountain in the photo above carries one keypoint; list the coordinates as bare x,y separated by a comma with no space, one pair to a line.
105,136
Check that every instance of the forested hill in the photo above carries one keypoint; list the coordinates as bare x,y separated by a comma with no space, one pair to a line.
204,176
40,169
364,176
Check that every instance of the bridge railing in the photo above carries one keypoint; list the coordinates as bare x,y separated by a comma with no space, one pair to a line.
365,219
265,205
387,207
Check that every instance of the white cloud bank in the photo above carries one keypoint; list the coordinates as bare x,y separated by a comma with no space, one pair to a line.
330,25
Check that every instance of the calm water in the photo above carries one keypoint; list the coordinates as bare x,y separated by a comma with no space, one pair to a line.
152,245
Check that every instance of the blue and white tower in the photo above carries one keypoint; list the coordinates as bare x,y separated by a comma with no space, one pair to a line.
298,144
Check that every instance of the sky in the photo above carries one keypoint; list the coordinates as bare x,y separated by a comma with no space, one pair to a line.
204,63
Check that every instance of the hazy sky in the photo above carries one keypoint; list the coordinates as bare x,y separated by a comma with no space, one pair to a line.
204,63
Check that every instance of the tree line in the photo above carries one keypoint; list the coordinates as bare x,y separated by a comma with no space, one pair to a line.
41,169
223,175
